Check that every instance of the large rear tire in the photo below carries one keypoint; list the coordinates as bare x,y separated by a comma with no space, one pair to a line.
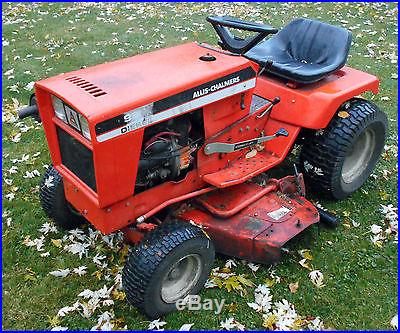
339,159
171,262
54,204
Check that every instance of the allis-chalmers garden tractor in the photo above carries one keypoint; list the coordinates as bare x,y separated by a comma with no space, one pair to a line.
172,146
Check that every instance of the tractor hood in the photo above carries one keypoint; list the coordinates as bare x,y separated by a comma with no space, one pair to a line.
169,76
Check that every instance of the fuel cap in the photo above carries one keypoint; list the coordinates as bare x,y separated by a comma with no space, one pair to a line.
208,57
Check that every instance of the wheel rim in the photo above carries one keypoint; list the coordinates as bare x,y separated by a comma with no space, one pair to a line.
357,160
181,278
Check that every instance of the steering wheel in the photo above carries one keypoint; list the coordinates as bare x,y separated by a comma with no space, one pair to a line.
233,43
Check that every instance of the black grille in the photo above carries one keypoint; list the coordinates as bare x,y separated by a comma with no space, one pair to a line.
77,158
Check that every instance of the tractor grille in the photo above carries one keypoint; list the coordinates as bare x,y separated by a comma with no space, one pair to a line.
77,158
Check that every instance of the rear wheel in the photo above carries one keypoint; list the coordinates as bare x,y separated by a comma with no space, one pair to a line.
172,262
54,204
339,160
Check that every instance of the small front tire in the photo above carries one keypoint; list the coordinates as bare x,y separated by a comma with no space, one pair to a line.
171,262
54,203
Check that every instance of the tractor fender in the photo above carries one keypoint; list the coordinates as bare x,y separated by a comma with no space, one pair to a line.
313,106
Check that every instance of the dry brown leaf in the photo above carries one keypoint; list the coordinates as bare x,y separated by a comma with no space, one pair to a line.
293,287
343,114
232,307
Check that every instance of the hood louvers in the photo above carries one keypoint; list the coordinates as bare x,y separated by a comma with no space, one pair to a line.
87,86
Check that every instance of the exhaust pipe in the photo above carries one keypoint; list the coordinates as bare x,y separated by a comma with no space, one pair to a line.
31,110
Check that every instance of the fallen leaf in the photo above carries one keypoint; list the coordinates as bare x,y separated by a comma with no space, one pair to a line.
270,282
306,254
317,278
269,322
395,322
343,114
60,272
293,287
157,324
54,321
305,264
56,242
186,327
97,274
118,295
232,307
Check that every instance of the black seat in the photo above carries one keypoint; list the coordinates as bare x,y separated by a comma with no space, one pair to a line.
304,51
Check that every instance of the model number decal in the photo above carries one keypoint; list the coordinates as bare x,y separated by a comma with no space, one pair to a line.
245,144
279,213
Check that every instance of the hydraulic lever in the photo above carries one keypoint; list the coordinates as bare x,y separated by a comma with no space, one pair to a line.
220,147
275,101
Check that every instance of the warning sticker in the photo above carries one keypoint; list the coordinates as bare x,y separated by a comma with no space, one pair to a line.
279,213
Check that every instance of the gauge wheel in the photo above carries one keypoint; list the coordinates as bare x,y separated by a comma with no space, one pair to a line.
171,262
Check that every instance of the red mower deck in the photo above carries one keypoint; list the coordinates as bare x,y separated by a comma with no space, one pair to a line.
251,221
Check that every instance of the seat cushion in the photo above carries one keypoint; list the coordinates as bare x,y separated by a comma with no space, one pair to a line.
304,51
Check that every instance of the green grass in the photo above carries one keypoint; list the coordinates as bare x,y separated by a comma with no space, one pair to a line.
360,278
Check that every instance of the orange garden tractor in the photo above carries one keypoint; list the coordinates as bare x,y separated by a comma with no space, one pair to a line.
166,147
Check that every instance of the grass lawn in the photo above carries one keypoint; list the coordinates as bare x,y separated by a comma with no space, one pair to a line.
44,39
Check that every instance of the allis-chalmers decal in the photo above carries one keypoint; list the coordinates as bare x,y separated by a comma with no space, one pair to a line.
172,106
216,87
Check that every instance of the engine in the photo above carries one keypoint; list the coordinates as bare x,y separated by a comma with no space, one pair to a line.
168,150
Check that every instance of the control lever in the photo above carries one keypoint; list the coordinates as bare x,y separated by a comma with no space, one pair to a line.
299,181
221,147
275,101
268,65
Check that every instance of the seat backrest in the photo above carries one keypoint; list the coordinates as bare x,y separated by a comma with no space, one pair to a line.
315,42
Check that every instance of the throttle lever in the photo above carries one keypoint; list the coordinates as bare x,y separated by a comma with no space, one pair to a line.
275,101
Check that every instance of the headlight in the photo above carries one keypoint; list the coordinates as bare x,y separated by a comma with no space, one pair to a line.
84,126
71,117
58,106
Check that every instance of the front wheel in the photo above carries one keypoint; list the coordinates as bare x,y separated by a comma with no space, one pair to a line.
173,261
338,160
54,203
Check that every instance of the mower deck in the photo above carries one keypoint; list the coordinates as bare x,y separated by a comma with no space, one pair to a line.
253,222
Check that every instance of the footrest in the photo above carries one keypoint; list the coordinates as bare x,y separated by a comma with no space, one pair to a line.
242,169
